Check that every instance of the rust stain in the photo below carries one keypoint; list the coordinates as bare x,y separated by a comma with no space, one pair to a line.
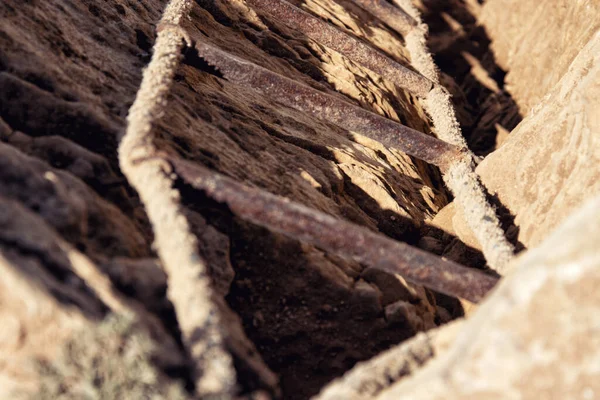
330,108
337,236
345,44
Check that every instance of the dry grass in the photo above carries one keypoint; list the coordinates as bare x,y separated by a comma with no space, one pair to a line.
112,361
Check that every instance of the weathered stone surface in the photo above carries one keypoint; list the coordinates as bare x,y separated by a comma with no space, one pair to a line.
536,335
49,292
69,72
536,41
34,325
69,206
551,161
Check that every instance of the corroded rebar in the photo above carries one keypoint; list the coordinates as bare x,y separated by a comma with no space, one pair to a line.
340,41
346,239
394,17
330,108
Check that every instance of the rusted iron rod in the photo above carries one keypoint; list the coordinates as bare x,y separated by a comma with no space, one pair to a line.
330,108
340,41
337,236
392,16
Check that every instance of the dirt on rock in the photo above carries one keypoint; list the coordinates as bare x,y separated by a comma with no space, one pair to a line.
70,70
77,244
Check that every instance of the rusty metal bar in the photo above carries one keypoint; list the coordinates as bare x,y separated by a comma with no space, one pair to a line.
393,17
337,236
330,108
354,49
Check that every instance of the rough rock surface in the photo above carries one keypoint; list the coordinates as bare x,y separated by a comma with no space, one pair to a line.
69,71
536,41
370,378
535,335
76,243
50,291
542,184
